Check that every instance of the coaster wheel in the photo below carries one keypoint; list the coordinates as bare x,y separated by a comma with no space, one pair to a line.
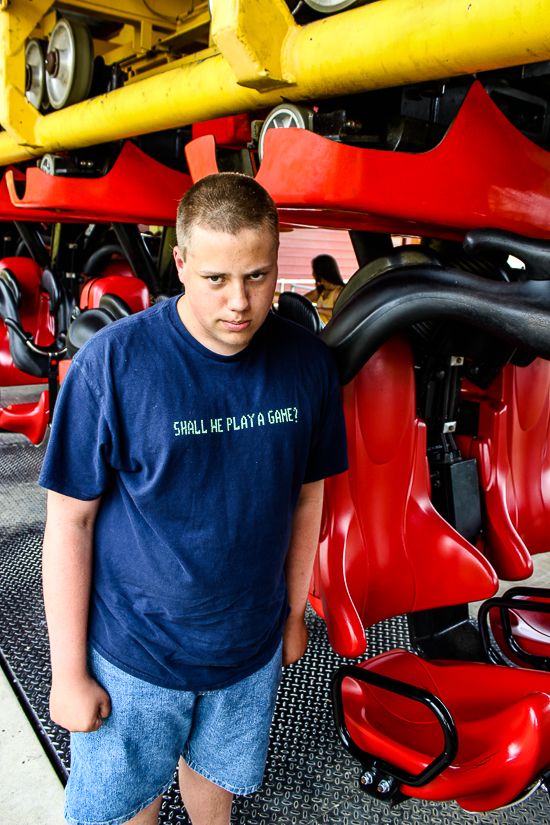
69,63
285,116
333,6
35,73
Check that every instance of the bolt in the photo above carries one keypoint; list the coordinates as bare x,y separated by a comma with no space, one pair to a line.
439,375
52,62
367,778
384,786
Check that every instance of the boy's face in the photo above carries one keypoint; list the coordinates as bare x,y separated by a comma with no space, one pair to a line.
229,285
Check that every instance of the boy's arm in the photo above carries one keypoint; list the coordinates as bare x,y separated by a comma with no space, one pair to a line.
77,702
298,566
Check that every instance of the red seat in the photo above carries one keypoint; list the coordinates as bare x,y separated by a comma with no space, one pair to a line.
29,419
514,467
385,551
35,318
502,718
379,518
117,278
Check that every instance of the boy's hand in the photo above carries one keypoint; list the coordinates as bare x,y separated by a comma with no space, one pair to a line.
295,639
79,705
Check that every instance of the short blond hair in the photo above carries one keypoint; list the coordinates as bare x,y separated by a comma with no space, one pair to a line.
226,202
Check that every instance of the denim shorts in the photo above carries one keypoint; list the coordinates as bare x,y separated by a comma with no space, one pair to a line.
124,766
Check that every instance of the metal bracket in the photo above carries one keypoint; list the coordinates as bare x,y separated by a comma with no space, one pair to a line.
250,35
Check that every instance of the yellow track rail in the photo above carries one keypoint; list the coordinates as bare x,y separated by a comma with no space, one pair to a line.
265,58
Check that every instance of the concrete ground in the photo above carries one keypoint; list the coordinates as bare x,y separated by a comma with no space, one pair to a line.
540,578
30,791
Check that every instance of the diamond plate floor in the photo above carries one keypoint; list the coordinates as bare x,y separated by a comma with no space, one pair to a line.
309,777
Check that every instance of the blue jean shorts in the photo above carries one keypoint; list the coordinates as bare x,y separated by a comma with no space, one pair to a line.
124,766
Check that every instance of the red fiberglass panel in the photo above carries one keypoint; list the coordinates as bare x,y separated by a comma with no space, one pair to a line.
502,717
379,518
514,466
202,161
9,212
484,173
201,157
138,189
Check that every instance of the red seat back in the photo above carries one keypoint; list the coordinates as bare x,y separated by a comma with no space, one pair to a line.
384,550
514,466
117,279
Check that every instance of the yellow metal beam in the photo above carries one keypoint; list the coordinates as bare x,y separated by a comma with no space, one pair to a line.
395,42
384,44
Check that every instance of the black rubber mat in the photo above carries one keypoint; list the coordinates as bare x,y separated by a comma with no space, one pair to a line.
309,777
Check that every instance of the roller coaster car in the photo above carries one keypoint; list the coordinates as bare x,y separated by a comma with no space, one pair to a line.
39,338
438,726
474,732
30,303
101,210
503,425
103,301
24,296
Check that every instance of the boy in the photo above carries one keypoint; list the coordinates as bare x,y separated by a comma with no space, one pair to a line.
185,474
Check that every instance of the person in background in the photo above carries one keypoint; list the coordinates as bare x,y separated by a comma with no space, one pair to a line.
328,285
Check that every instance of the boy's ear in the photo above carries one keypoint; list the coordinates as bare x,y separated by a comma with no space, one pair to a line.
180,263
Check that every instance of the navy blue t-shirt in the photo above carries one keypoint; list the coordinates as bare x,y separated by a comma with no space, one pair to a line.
199,459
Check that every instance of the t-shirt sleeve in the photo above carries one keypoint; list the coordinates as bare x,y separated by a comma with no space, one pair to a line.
329,453
77,458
